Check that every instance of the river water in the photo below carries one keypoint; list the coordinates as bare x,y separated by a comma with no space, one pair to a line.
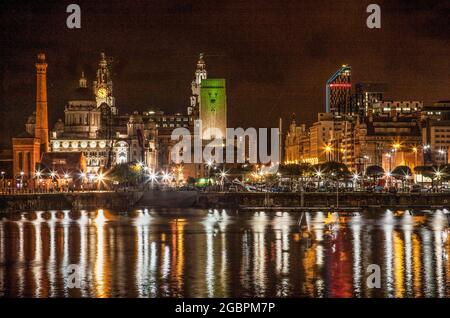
221,253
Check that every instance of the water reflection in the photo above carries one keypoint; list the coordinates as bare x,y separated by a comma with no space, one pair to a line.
219,253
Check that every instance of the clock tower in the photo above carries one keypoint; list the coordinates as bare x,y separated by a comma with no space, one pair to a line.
103,85
200,74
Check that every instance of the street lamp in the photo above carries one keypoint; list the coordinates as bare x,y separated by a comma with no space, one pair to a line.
66,180
38,176
223,175
438,175
153,177
318,174
355,179
21,179
209,164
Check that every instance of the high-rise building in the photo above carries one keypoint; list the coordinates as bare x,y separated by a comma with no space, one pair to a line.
213,108
338,92
366,95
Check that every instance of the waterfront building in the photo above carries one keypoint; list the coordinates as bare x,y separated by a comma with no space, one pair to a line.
213,108
104,138
387,142
92,125
296,143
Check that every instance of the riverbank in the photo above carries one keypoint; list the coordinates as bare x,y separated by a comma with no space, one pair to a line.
207,200
319,200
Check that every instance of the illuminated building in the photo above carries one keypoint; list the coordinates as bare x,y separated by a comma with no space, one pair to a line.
103,85
213,108
93,126
435,124
338,92
387,142
296,143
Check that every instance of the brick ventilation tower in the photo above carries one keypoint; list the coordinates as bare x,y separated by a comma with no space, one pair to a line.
41,130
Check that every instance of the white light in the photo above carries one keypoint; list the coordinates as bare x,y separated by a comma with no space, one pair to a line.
153,176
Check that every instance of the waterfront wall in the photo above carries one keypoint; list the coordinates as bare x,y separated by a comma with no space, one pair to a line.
67,201
236,200
174,199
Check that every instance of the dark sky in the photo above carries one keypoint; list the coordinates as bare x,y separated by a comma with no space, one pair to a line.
275,55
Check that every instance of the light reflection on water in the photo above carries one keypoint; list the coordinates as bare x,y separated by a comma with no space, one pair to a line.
218,253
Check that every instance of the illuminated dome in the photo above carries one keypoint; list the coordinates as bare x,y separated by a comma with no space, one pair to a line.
82,93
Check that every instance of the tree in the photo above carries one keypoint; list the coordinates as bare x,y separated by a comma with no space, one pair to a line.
402,173
124,174
334,169
294,171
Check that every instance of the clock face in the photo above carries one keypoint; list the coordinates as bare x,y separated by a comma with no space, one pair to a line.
101,92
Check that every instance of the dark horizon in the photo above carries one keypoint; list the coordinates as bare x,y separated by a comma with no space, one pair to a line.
276,58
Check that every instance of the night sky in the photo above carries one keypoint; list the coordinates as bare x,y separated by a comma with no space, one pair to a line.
275,55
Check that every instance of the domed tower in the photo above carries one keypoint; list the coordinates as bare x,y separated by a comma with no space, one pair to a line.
82,117
58,129
30,126
135,123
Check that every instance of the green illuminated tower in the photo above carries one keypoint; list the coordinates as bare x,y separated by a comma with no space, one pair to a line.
213,108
